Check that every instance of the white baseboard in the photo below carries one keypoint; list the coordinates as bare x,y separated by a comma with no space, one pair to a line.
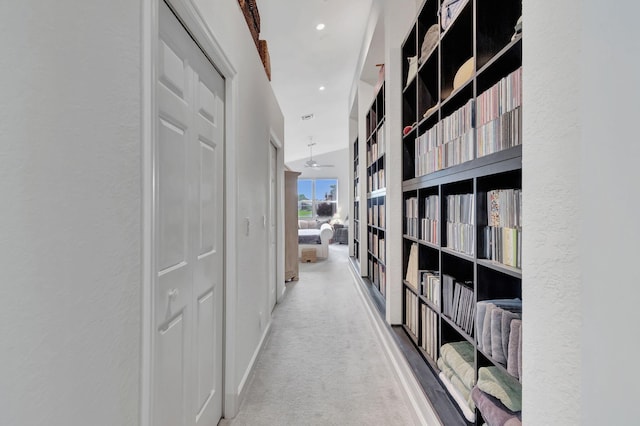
423,411
242,387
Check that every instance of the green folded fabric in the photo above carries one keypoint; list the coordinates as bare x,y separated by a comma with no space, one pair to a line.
454,379
503,386
464,392
456,382
448,372
459,357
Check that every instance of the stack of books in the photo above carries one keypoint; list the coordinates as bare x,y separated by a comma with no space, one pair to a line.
430,286
411,216
411,311
460,221
458,302
503,234
499,116
448,143
429,341
430,225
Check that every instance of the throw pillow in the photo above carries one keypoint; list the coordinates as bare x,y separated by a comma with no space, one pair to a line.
429,43
321,222
413,69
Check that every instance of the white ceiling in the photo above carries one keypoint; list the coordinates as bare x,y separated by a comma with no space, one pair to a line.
303,59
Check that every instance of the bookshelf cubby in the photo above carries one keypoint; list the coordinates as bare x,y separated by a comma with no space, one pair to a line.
356,200
376,193
462,189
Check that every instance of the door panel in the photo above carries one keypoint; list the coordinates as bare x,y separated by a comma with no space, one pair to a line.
172,70
173,292
206,349
273,211
189,191
208,263
207,103
170,385
172,187
208,197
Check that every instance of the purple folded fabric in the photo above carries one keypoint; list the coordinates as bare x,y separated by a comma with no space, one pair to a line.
496,336
493,411
507,317
486,329
481,310
520,355
513,366
483,320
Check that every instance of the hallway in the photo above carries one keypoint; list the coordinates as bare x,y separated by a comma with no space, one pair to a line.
322,363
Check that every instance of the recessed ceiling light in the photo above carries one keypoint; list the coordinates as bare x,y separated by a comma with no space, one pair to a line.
320,27
321,88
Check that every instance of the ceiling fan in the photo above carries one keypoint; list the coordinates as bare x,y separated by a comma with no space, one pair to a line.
313,163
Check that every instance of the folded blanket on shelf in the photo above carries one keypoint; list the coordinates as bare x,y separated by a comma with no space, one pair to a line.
496,336
513,366
486,329
459,357
465,393
520,355
463,390
484,321
468,413
493,411
481,309
448,371
501,385
507,317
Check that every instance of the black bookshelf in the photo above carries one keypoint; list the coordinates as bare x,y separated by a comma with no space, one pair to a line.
376,193
356,200
464,167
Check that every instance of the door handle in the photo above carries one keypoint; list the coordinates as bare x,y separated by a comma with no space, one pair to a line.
172,294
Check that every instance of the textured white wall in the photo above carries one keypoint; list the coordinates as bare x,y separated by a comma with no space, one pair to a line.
552,270
70,216
610,174
580,180
70,175
258,115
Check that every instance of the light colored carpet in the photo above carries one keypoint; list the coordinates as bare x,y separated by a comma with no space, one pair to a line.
322,363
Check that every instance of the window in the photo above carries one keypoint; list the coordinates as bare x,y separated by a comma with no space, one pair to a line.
317,198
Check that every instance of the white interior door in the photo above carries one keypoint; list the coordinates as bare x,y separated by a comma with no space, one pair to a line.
273,217
187,374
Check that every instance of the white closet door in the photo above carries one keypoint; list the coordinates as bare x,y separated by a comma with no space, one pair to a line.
189,236
273,232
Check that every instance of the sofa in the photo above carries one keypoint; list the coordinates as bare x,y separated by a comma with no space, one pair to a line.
314,234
